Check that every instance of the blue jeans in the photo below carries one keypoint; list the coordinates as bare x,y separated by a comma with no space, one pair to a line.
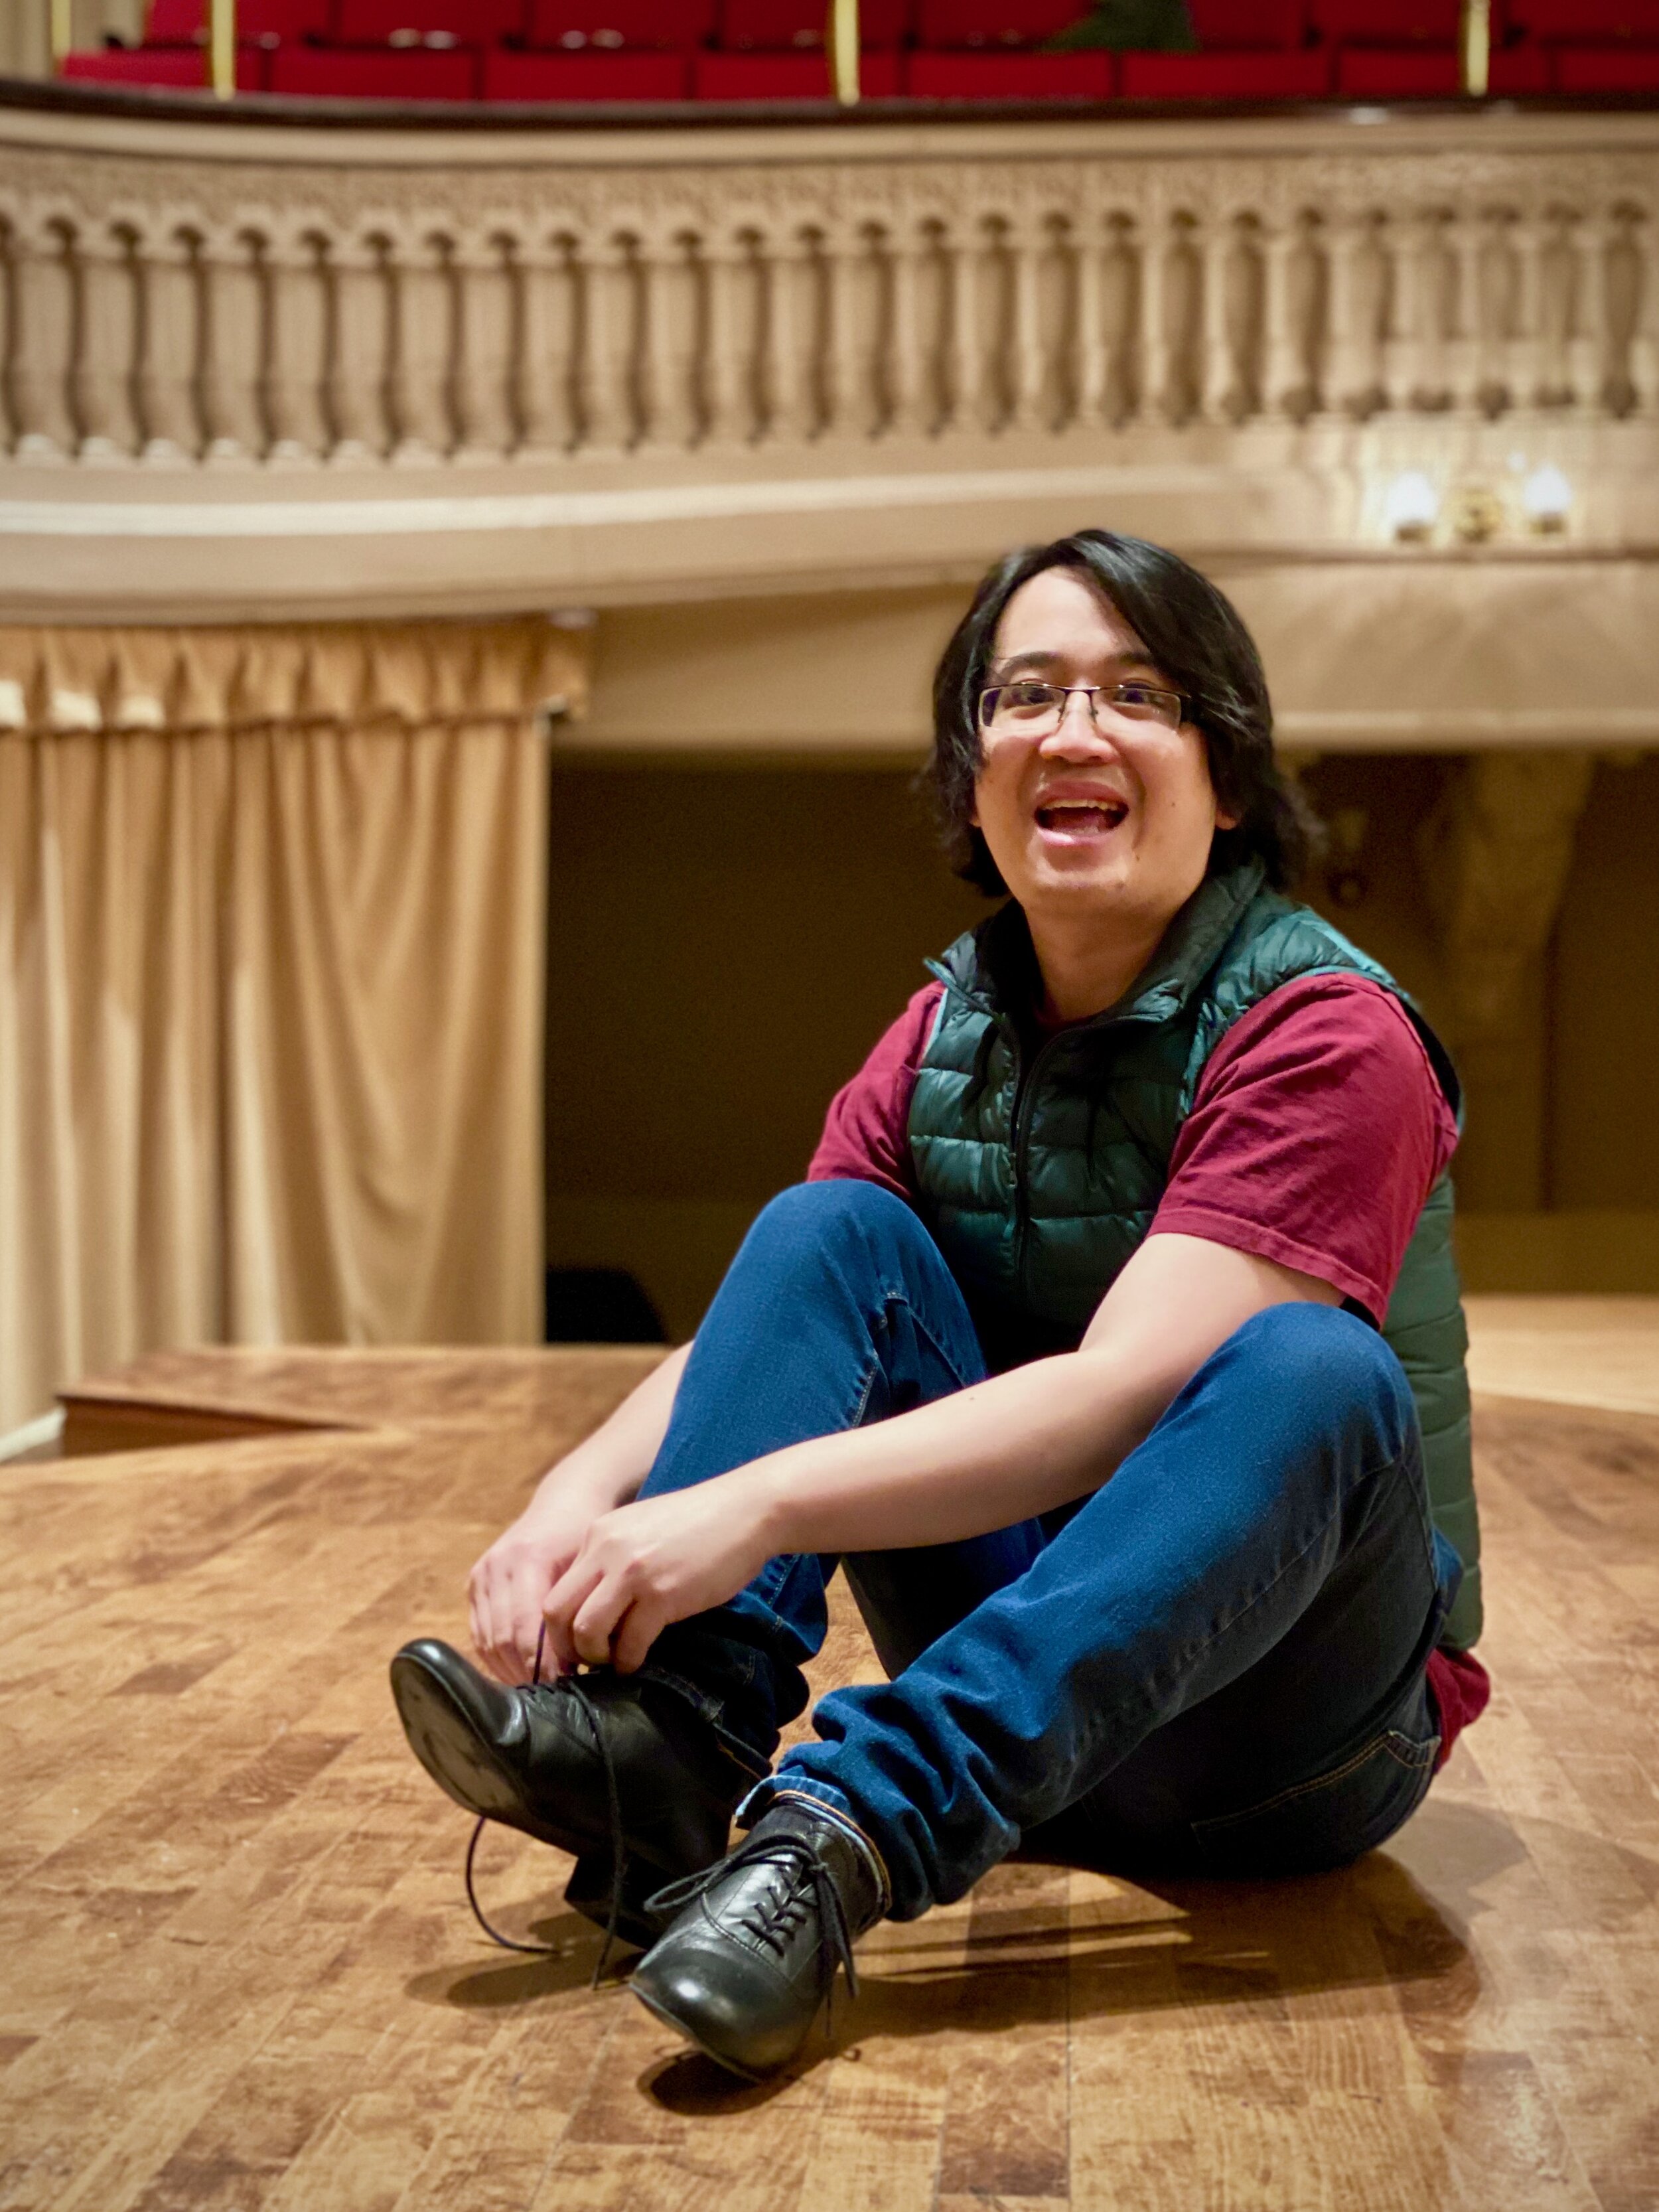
1213,1664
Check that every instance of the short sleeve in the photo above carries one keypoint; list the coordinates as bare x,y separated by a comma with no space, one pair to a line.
866,1131
1318,1129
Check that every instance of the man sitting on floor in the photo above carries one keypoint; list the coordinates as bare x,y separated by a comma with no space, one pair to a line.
1071,1351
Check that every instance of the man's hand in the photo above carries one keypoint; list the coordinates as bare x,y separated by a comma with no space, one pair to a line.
507,1587
656,1561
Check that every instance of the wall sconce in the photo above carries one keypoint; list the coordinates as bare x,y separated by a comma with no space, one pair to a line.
1547,500
1526,503
1411,508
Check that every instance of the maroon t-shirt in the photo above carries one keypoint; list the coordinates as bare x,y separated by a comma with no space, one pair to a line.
1318,1129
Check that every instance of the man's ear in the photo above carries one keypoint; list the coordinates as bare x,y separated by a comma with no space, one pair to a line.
1227,817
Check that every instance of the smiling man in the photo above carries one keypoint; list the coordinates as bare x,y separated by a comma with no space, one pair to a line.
1077,1349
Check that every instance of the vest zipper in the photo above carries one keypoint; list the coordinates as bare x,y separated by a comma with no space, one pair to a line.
1025,1109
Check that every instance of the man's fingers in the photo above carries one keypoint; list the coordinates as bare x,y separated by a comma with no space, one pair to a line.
632,1640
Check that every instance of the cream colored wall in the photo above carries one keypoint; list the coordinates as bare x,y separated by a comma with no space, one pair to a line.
25,36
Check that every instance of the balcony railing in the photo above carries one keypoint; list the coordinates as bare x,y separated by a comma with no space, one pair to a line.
203,315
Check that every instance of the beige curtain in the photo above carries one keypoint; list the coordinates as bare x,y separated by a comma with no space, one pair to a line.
272,966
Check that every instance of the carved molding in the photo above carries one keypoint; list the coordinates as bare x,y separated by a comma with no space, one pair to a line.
1493,860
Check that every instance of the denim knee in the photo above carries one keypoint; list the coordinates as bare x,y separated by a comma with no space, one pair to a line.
1335,1369
820,1216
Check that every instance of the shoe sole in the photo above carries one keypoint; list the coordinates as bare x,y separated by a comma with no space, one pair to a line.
444,1740
659,2011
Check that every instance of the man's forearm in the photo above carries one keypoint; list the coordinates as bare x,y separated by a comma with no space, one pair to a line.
1023,1442
609,1465
996,1452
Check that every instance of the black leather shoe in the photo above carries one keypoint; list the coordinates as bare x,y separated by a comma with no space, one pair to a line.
596,1763
752,1956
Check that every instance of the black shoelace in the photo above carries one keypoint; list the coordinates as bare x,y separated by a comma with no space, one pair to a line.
775,1921
569,1685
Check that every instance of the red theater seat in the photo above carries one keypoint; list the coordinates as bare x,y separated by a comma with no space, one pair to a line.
1589,22
175,69
786,77
1086,75
1225,76
1388,22
1235,24
1606,69
797,25
183,22
382,73
1519,72
468,22
509,75
671,26
950,24
1399,73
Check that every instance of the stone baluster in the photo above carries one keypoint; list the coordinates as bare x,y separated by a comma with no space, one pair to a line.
1285,380
1644,330
906,406
552,321
1523,351
851,412
484,397
1027,365
1587,349
1351,355
1467,350
170,350
232,347
359,358
964,372
421,278
670,279
1094,360
43,336
793,326
1409,242
1218,378
296,376
1555,380
107,354
1153,380
722,367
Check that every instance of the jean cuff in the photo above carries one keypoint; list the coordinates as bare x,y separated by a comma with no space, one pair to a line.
780,1788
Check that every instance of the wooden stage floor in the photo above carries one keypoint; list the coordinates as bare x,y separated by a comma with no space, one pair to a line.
239,1971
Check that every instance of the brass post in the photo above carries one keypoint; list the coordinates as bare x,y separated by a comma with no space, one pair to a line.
1476,47
60,19
841,38
222,48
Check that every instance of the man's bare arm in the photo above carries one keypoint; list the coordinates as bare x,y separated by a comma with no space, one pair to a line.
509,1583
999,1452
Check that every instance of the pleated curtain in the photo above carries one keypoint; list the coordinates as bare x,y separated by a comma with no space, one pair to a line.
273,982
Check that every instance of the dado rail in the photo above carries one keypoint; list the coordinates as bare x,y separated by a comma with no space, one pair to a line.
473,367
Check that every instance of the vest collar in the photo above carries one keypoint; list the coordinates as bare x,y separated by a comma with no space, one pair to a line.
994,967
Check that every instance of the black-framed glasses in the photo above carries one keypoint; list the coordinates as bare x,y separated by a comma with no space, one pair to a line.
1028,707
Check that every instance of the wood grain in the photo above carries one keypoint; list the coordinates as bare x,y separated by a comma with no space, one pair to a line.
239,1971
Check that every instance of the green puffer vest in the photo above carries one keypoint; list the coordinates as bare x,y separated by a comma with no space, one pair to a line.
1039,1172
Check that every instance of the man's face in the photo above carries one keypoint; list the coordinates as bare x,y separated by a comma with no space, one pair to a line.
1110,821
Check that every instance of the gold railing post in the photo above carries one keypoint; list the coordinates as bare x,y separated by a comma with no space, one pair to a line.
1476,47
60,31
221,47
842,41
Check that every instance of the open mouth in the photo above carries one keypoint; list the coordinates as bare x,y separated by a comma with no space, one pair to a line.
1081,818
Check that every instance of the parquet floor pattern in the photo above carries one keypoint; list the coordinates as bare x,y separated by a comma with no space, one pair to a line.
236,1969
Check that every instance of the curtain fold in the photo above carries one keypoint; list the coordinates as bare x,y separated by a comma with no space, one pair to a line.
273,981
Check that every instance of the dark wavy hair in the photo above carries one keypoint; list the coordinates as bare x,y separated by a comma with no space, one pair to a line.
1193,636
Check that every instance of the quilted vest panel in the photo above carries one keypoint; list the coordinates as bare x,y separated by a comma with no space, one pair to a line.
1040,1165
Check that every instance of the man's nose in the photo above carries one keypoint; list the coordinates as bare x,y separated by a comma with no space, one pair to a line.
1077,729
